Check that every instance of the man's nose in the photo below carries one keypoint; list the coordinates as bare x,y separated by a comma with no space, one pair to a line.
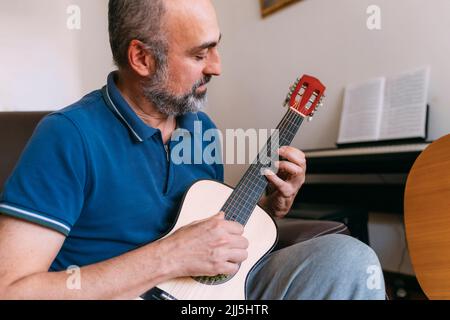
214,66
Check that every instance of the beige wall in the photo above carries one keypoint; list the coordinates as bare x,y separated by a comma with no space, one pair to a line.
46,66
43,64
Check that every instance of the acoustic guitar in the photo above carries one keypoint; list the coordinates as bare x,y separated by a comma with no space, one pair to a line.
427,218
205,198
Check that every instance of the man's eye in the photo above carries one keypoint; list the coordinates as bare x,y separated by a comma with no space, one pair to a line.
199,58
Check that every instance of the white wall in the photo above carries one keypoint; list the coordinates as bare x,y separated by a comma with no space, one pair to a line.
388,240
94,53
43,64
328,39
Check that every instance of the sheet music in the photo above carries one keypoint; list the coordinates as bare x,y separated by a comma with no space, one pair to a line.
404,111
361,115
386,109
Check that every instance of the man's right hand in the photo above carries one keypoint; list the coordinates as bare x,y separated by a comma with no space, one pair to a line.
206,248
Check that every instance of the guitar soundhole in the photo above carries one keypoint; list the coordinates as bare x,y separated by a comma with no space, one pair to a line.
215,280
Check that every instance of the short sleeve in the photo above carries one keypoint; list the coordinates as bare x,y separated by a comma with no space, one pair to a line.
48,183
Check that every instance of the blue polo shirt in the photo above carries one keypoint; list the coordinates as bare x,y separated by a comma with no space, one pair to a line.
98,174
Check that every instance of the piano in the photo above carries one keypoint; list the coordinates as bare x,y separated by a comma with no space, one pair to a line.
369,177
346,184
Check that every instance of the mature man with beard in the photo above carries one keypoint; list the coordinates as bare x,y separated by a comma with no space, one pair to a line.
95,187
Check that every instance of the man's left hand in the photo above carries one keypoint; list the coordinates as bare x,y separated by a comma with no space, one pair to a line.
284,186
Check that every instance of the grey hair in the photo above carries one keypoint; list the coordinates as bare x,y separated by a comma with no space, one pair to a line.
137,20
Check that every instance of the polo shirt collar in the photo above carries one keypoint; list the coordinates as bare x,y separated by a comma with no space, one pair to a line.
139,130
187,122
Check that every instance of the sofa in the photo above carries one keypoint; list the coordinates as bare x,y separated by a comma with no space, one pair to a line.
17,127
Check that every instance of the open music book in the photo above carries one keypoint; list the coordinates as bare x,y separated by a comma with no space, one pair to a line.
386,109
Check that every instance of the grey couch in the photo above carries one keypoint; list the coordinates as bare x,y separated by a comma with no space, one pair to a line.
17,127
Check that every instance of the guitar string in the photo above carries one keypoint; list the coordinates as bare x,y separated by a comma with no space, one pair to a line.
249,204
250,178
236,197
232,198
292,120
255,164
179,286
253,188
246,182
259,182
233,216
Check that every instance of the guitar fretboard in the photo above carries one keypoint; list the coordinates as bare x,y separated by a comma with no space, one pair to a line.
251,187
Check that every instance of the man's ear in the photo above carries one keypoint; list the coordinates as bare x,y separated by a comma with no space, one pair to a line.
140,59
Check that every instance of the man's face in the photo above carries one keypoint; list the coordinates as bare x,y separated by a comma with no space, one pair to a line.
193,35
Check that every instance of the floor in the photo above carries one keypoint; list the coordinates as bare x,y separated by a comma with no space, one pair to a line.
403,287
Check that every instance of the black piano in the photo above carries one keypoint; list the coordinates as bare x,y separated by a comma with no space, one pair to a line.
369,176
346,183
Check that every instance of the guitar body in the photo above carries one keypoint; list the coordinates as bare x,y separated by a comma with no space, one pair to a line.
204,199
427,219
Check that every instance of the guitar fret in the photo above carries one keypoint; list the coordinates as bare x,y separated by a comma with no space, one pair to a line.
256,184
255,197
244,202
245,197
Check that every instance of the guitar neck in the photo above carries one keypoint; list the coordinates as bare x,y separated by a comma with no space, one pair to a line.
251,187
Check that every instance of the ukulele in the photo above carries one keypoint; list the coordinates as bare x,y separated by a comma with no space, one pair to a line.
427,218
205,198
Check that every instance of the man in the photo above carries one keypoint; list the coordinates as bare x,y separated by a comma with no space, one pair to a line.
94,187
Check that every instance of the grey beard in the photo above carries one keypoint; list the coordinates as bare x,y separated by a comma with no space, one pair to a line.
154,90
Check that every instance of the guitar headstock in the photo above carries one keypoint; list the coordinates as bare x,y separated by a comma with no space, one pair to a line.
306,96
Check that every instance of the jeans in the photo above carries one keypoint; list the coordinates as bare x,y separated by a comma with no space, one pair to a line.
331,267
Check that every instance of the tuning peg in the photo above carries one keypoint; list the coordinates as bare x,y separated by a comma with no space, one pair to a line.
288,98
311,116
320,104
